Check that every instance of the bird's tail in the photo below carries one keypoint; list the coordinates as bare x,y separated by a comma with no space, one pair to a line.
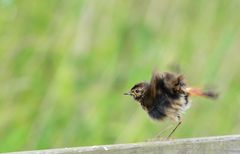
200,92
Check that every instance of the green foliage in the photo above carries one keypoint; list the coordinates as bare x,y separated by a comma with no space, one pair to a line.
65,65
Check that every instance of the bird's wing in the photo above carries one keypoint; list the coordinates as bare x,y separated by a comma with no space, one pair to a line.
156,77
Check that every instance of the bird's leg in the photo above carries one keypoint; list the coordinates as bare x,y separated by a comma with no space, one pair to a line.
162,131
179,123
174,130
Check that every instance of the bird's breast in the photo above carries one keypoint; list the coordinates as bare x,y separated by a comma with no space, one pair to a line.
164,106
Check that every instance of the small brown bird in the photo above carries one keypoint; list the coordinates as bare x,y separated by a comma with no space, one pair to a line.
167,95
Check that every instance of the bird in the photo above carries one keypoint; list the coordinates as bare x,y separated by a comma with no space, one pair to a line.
166,96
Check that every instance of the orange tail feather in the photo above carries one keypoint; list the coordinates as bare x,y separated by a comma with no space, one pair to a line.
203,93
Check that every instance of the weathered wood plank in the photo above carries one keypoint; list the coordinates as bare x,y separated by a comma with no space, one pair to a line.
221,144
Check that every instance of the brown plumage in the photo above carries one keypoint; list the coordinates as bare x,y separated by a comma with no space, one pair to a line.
166,95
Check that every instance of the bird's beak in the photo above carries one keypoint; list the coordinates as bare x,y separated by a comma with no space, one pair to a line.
128,93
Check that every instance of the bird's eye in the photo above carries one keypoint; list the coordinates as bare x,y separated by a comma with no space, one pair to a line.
137,91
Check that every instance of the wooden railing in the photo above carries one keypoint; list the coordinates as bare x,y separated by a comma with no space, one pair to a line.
218,145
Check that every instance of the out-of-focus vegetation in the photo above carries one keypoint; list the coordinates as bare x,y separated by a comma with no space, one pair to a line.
65,65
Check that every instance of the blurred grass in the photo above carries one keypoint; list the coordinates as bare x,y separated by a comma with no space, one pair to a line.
65,64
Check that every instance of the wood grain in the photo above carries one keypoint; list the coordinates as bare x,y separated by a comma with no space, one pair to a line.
219,144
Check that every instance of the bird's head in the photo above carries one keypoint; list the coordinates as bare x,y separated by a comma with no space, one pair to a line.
138,91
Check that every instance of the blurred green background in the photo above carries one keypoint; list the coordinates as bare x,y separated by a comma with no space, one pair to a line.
64,66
